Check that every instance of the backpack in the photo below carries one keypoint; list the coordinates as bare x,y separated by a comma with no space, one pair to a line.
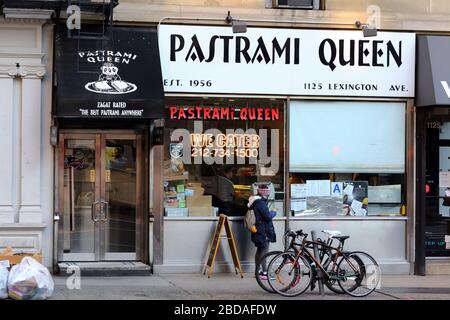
250,220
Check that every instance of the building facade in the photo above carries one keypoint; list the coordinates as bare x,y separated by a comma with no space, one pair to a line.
297,103
118,182
26,55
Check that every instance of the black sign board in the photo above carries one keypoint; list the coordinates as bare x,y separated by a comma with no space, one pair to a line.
435,245
115,78
433,71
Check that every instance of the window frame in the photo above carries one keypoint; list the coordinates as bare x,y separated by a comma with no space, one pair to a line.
315,5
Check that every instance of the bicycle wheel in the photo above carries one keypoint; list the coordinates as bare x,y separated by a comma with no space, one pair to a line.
358,274
331,266
288,276
264,283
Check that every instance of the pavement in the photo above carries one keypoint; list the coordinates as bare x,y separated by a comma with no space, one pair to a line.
229,286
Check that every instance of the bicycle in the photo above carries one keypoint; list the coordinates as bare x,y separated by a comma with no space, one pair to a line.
327,257
263,283
324,256
350,271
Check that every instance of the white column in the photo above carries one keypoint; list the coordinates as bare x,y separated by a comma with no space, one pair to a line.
31,209
6,147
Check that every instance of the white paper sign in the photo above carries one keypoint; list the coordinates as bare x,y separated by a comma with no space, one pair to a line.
358,209
298,204
318,188
336,189
298,191
348,190
444,179
208,59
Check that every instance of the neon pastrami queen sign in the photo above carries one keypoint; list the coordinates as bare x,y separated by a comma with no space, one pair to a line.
223,113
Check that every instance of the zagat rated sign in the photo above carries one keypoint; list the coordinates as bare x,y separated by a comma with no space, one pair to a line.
196,59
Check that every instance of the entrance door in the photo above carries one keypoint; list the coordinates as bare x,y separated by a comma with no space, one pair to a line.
100,197
437,188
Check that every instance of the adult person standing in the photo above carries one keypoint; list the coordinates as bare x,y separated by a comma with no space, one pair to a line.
265,231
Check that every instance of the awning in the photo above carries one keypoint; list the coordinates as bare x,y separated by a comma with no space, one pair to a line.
118,77
433,71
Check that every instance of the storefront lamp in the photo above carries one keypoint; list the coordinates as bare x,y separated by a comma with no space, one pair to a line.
237,25
368,31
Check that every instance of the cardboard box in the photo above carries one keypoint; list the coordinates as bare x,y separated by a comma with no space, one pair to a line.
194,184
194,191
199,201
202,211
176,212
15,258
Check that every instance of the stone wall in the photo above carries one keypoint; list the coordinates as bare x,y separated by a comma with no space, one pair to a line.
411,15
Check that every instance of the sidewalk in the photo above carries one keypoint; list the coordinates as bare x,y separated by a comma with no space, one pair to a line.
231,287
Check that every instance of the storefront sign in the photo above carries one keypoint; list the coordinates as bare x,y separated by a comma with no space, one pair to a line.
198,59
118,78
223,113
435,244
225,145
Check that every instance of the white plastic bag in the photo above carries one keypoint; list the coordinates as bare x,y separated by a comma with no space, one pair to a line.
3,282
30,280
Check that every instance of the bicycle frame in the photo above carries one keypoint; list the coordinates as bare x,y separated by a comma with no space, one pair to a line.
339,253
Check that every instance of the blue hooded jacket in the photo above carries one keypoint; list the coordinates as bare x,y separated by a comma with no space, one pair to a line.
265,231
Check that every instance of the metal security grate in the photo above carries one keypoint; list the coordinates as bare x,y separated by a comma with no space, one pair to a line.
100,11
103,9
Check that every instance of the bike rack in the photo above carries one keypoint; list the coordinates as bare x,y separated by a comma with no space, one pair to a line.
318,271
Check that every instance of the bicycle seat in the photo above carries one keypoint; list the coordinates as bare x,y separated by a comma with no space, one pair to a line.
341,238
332,233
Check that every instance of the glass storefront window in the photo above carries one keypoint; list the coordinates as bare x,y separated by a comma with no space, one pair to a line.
216,149
347,194
347,158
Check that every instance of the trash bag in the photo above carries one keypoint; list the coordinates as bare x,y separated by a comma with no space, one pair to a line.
30,280
3,282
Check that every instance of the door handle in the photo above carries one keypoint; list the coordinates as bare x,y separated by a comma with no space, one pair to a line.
106,212
93,211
